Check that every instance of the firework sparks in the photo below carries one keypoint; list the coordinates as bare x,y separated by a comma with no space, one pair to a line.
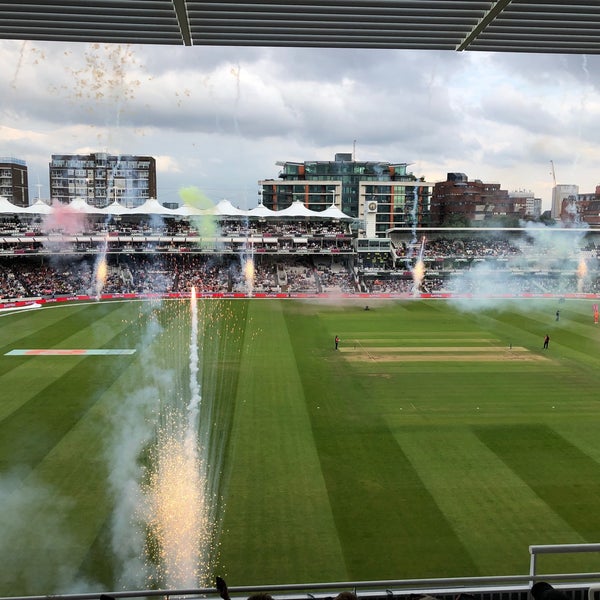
249,274
418,271
101,275
178,497
178,505
582,272
101,270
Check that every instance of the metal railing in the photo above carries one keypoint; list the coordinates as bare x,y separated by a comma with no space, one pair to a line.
577,586
534,551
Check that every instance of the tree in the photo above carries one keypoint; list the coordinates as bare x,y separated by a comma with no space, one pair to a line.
456,220
546,219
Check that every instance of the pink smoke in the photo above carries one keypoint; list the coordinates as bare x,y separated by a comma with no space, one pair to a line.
64,218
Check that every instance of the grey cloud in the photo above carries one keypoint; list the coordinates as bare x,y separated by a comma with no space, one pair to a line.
539,69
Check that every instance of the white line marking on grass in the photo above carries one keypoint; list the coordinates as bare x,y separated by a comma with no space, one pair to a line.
11,309
70,352
370,356
425,349
427,340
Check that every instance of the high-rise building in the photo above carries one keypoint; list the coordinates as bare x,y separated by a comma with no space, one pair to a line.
102,178
385,194
581,209
525,204
13,180
562,192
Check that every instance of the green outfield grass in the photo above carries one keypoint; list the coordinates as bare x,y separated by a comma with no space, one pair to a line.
436,442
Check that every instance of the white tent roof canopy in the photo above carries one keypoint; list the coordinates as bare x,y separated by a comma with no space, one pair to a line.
261,211
38,208
151,207
297,210
333,212
224,209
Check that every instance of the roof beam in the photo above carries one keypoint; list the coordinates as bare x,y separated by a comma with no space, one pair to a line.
181,12
488,18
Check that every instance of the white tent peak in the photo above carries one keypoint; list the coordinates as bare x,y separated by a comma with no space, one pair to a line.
297,209
151,207
39,207
226,209
6,206
80,205
115,208
260,210
333,212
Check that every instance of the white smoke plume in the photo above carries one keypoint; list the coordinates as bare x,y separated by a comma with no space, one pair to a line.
134,427
542,249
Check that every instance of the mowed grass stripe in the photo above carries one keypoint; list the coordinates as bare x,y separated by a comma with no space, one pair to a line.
47,335
65,501
482,498
29,433
429,405
579,429
525,323
278,526
160,375
560,473
472,396
386,518
19,324
38,371
221,377
74,473
58,484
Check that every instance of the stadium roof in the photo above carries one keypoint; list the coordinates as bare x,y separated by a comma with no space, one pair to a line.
153,207
500,26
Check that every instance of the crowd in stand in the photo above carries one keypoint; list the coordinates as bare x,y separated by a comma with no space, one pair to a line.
465,247
30,277
61,276
144,225
288,257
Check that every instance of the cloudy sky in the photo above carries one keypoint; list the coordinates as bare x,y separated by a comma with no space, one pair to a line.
219,118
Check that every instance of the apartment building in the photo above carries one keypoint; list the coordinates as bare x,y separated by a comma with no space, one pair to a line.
102,178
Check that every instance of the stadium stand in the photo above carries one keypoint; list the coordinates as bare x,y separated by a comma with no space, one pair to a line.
149,254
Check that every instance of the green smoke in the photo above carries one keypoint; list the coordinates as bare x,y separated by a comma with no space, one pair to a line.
206,225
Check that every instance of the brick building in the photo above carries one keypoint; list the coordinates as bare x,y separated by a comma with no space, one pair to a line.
458,200
14,184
